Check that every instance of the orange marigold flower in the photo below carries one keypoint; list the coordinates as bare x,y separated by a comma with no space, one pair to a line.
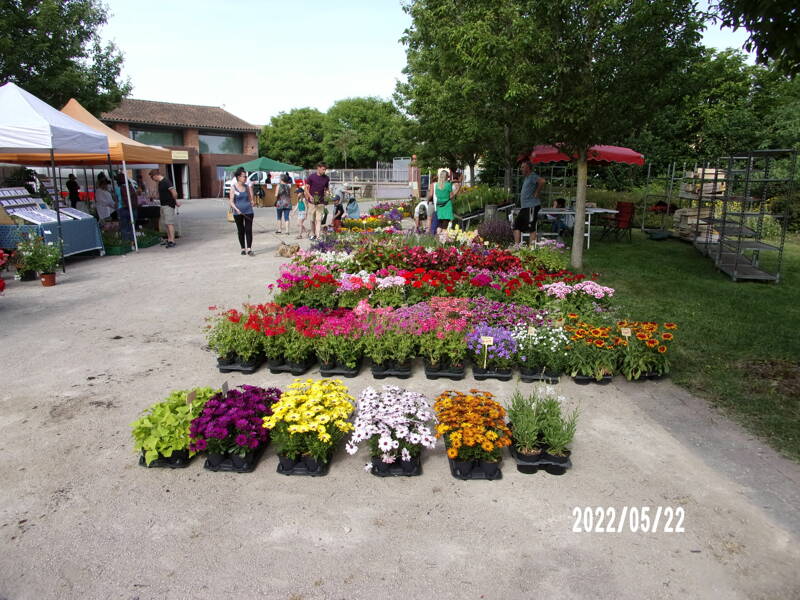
662,349
452,453
487,446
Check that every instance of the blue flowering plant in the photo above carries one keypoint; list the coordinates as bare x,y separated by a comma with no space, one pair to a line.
232,423
491,347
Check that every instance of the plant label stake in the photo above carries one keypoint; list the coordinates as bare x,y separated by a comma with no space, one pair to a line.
225,389
487,341
531,330
191,397
626,332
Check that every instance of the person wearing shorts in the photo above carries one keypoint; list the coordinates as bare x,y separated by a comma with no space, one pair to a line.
168,197
530,203
316,191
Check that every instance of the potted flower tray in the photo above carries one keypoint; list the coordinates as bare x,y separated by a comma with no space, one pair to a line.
234,363
475,469
234,463
529,375
180,459
304,465
529,464
339,370
391,369
482,374
454,373
400,468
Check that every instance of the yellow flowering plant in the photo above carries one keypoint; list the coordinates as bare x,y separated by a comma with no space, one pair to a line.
472,425
310,418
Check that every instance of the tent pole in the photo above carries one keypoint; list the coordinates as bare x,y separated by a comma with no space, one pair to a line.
57,204
111,177
130,206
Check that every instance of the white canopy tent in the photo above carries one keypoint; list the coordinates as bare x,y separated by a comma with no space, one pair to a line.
29,125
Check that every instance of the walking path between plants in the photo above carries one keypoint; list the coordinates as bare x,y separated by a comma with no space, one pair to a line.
80,519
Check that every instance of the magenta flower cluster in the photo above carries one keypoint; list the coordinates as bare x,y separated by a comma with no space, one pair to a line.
233,423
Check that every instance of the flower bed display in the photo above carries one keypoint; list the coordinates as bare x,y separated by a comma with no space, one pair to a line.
474,431
307,423
230,428
394,423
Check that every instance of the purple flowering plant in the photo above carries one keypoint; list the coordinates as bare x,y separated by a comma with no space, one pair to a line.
500,354
232,423
394,422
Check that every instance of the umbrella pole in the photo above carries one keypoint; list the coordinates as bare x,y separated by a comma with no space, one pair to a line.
130,206
57,203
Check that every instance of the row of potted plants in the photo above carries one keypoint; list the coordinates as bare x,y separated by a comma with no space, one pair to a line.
445,333
307,422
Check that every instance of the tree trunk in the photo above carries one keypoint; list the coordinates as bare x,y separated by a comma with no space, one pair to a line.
472,172
580,212
507,153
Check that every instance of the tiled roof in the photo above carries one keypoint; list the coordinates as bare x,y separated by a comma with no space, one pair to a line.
148,112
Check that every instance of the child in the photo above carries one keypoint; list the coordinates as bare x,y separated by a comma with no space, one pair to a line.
301,212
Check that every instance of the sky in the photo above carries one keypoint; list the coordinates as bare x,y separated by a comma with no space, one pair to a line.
257,58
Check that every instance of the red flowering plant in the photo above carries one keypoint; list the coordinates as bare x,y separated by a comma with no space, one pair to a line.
302,285
592,349
645,347
232,423
273,321
228,336
389,335
301,337
441,323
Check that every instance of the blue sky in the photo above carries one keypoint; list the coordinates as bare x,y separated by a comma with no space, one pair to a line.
261,57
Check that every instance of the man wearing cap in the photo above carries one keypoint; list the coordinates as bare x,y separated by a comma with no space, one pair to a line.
168,197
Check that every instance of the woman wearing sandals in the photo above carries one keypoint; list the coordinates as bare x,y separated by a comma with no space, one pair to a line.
283,203
241,203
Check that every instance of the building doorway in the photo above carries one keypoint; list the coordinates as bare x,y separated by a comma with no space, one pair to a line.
181,180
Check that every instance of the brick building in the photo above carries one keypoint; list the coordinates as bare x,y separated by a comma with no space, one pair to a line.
203,139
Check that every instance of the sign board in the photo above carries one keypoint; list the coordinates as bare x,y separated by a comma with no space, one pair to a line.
180,155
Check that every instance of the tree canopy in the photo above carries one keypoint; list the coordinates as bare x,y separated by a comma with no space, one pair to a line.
52,49
294,137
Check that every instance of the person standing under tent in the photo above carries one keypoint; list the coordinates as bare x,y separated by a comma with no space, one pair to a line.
283,203
104,202
74,191
241,203
168,196
529,202
316,191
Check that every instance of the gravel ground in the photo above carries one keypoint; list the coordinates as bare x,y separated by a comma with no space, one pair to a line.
80,519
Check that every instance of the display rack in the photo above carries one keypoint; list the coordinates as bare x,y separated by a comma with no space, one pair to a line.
735,208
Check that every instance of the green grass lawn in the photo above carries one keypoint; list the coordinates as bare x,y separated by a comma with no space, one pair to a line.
738,343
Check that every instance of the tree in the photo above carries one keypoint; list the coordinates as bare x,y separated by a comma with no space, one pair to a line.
602,64
52,49
470,84
773,27
363,131
294,137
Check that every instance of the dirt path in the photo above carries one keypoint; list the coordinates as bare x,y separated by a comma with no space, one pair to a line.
79,519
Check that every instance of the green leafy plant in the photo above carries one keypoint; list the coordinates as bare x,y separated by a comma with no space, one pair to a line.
443,348
164,427
34,254
558,429
525,416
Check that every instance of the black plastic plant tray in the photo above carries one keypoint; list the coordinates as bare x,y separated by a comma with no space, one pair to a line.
475,473
396,469
300,468
553,467
246,369
398,373
340,371
482,375
452,374
532,376
178,460
227,465
293,368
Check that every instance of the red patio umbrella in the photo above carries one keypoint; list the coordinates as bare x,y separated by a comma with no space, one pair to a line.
597,155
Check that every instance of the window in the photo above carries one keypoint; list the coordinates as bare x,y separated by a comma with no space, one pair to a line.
158,137
220,144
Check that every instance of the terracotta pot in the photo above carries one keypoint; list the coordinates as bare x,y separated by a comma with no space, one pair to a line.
48,279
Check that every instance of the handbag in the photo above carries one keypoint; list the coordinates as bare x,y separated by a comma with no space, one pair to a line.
229,216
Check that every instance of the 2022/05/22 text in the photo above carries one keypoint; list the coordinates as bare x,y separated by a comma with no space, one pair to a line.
635,519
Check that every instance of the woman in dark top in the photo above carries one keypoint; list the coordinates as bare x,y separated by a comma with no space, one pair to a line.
283,203
74,190
241,203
